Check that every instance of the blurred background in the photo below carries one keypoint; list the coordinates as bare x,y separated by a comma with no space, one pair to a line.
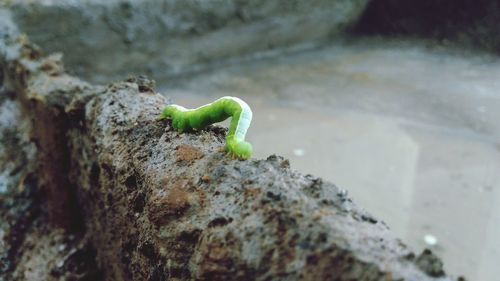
396,101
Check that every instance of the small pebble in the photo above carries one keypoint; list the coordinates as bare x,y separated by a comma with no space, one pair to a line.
205,178
299,152
430,240
61,247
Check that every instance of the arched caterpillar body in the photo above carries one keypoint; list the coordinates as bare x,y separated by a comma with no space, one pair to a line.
184,119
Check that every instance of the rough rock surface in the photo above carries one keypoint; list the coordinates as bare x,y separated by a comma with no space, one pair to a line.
174,37
158,205
30,247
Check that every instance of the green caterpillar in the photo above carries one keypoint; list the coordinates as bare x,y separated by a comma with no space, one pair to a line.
186,119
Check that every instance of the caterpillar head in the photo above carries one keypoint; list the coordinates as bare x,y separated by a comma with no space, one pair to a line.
171,111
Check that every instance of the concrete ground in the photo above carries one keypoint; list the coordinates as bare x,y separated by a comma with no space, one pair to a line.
412,132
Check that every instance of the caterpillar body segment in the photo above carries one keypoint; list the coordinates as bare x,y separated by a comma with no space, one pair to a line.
184,119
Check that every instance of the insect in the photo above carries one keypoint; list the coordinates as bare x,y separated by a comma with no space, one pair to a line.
184,119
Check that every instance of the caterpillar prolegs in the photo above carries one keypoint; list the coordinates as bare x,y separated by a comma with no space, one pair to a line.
184,119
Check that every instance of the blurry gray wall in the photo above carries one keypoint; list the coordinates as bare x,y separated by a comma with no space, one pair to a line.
111,39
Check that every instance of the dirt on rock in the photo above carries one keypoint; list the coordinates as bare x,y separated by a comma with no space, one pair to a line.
188,153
